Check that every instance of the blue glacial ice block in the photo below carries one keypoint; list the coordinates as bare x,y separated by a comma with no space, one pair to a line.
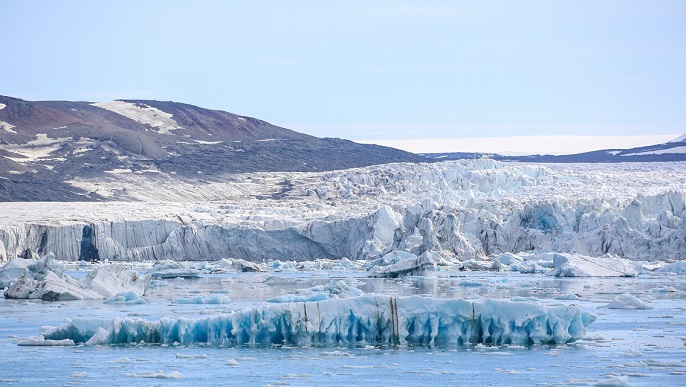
373,319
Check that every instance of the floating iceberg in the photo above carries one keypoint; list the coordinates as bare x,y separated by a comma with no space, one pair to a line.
376,320
11,271
334,289
211,299
399,263
45,280
674,267
628,301
171,269
577,265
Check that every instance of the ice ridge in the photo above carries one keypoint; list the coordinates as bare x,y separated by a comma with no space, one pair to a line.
374,319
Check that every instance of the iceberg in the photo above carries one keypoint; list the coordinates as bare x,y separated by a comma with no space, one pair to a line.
674,267
11,271
401,264
334,289
628,301
365,320
40,282
577,265
171,269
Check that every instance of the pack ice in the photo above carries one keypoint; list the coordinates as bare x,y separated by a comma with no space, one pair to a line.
374,319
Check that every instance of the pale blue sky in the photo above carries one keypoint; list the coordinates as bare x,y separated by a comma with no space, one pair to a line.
366,69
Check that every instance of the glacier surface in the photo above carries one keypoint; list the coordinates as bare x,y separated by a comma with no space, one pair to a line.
461,210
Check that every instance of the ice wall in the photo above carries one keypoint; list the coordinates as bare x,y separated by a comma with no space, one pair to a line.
353,321
458,210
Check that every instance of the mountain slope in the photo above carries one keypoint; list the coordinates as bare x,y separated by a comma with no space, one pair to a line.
46,145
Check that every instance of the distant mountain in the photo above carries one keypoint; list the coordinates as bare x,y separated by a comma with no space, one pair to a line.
45,145
674,150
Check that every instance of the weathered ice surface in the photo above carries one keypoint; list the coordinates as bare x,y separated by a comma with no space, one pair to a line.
351,321
576,265
400,264
467,210
44,279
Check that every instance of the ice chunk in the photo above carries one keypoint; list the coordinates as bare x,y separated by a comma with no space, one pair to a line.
171,269
675,267
212,299
40,341
108,280
378,320
18,267
335,289
628,301
577,265
509,259
102,282
130,297
400,264
155,375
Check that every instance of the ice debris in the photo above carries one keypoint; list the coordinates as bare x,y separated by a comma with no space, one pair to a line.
366,320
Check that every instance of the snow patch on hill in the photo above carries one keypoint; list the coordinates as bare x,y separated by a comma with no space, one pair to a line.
144,114
7,127
678,149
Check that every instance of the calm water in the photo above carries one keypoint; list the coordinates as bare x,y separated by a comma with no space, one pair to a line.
645,347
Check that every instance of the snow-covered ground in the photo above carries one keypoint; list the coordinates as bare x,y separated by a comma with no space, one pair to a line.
144,114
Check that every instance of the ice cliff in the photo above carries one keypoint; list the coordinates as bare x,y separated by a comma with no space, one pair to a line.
458,210
376,320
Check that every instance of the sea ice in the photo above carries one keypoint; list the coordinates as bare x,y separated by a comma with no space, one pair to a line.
351,321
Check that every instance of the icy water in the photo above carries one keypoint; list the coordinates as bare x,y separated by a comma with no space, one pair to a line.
634,347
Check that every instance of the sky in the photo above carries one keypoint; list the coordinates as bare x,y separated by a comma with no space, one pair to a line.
446,74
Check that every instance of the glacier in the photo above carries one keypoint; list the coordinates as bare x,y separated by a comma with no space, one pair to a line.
460,210
364,320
